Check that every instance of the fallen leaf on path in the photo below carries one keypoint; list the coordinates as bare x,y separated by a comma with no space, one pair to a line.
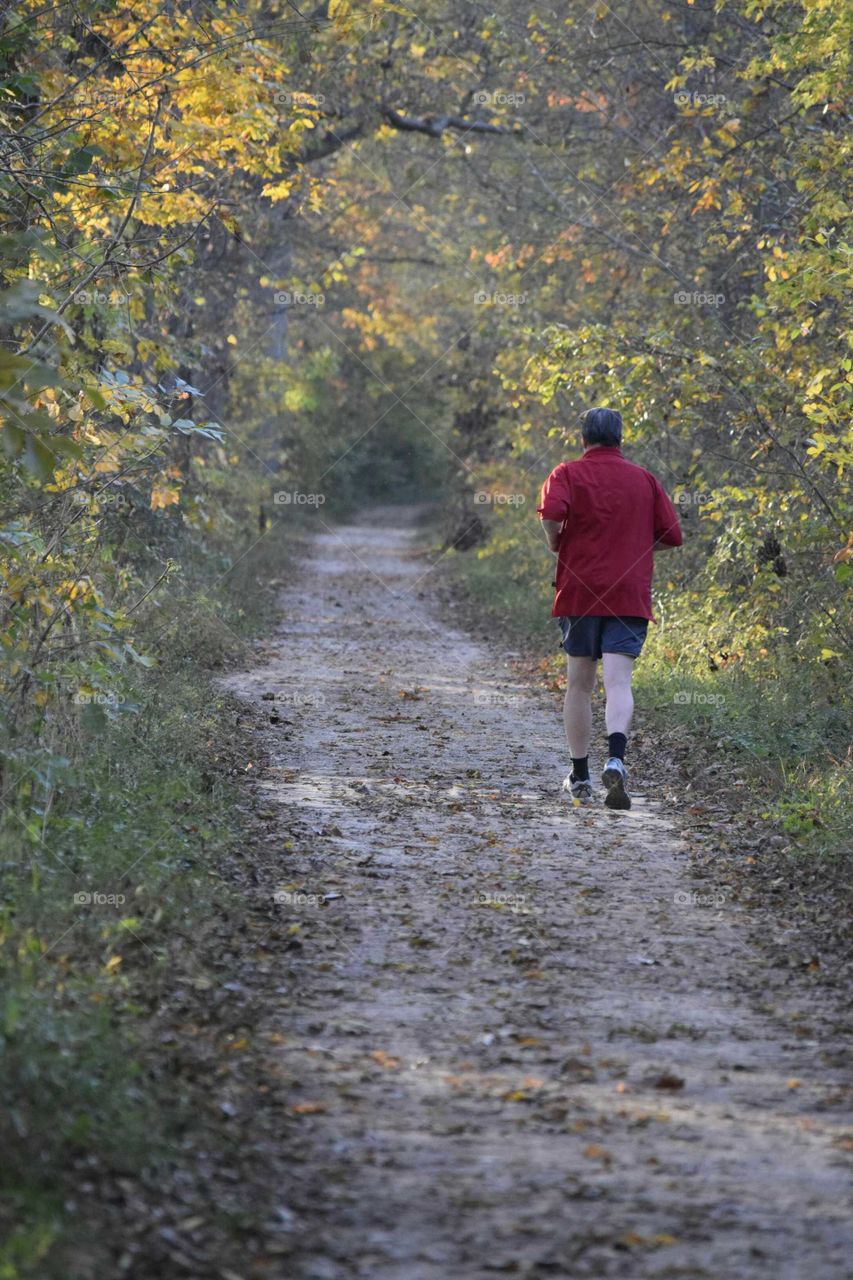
385,1059
669,1081
190,1224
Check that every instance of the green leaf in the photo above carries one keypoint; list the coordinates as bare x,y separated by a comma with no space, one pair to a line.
94,396
80,161
67,447
141,658
39,459
12,439
11,1014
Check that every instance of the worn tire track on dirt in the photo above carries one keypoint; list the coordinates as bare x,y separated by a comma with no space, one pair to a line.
514,1040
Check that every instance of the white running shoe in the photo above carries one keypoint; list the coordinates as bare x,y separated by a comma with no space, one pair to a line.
615,779
578,788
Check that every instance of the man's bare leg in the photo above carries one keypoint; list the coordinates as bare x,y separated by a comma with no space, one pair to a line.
618,669
577,708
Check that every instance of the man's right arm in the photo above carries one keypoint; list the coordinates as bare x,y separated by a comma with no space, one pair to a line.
553,509
552,534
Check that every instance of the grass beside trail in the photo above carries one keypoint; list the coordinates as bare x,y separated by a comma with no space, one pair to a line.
780,731
108,884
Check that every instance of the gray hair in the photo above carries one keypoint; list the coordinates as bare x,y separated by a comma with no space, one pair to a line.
601,426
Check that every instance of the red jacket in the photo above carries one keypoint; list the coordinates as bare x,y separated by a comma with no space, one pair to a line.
613,514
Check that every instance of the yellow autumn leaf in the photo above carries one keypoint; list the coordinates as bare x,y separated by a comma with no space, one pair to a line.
277,190
164,496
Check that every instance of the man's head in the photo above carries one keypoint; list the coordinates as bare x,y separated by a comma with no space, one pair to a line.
601,426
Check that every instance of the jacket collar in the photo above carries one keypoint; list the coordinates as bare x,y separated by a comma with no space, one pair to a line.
602,451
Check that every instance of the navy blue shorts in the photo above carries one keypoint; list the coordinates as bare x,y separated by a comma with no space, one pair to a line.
591,636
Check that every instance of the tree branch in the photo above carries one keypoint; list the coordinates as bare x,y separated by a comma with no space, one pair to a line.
435,126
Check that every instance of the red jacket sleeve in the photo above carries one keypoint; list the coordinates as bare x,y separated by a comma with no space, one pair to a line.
555,495
667,524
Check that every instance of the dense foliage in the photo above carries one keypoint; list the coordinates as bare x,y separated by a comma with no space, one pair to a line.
455,233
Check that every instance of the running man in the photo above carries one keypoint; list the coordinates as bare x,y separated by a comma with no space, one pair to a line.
603,517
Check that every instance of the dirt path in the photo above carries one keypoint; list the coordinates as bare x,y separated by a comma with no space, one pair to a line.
518,1038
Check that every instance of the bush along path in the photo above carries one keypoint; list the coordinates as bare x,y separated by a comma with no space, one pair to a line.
507,1036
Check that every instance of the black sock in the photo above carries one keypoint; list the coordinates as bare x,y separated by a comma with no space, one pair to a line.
580,769
616,744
